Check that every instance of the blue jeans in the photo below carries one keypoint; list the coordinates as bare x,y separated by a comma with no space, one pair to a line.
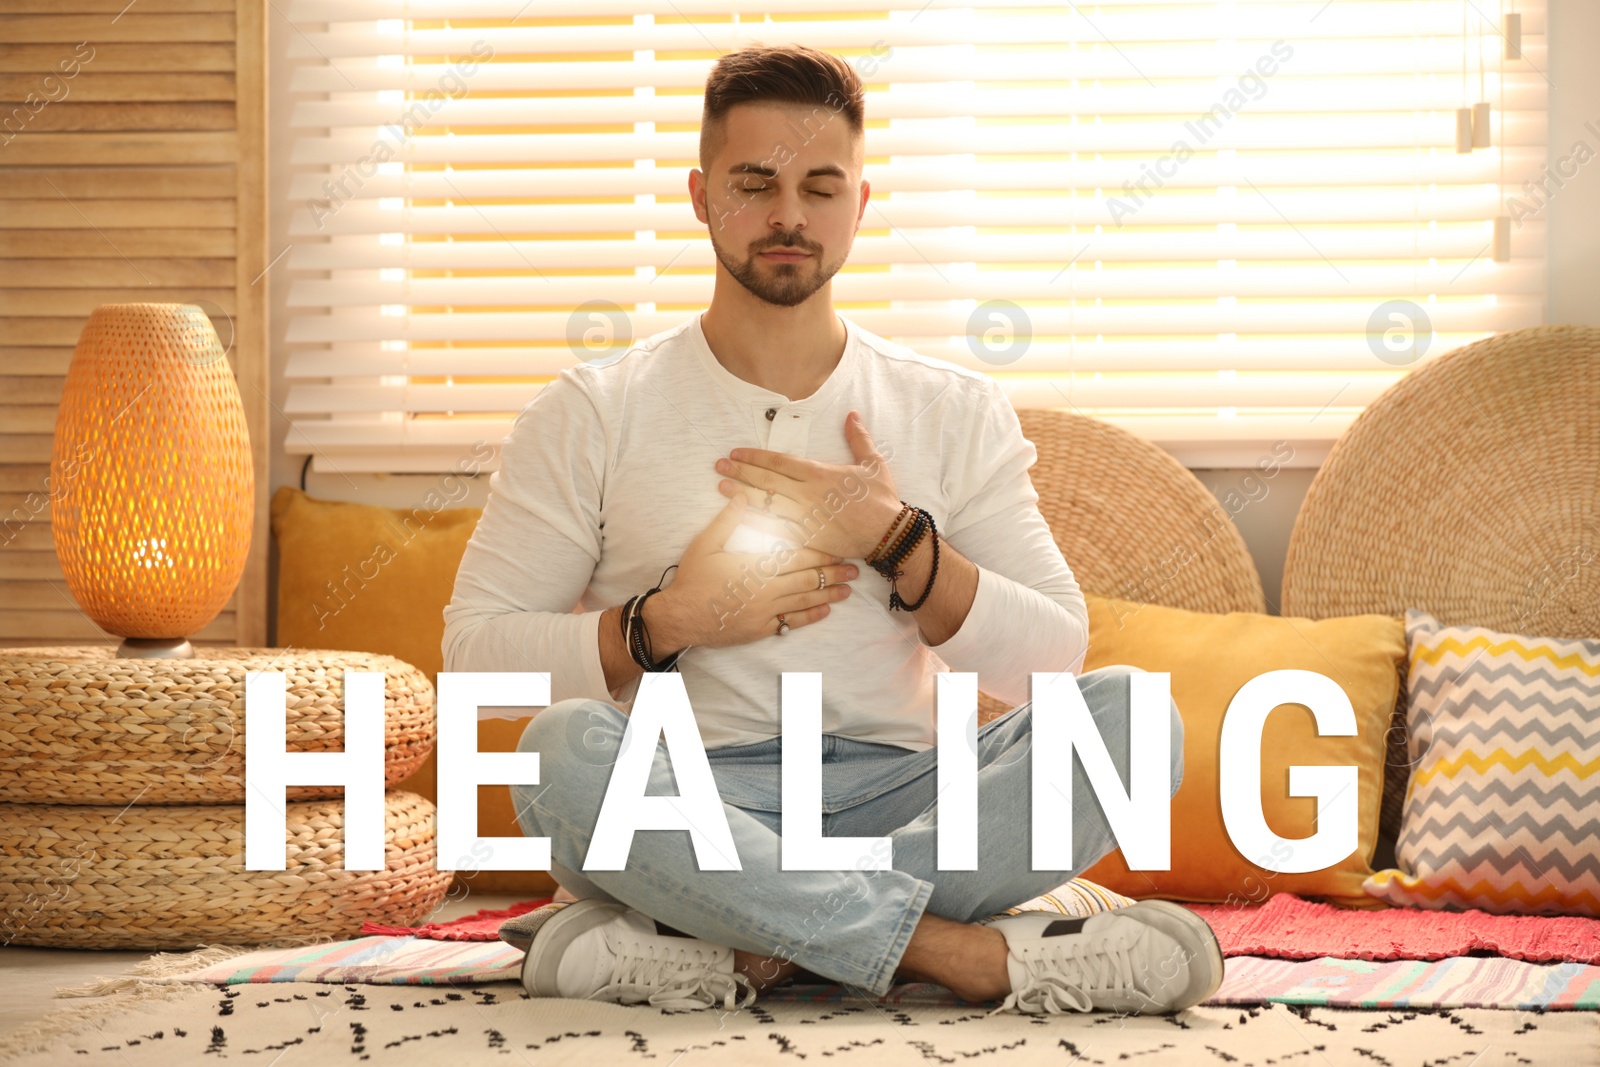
850,926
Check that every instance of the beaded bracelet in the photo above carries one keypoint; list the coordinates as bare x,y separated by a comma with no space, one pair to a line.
913,539
899,532
890,560
895,601
922,525
905,510
906,542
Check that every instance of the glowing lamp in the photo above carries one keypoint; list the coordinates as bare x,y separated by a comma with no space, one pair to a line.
151,477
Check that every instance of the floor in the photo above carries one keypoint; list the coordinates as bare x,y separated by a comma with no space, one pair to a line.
1276,1035
29,976
401,1026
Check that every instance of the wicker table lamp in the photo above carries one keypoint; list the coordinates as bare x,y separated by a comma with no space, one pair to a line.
152,471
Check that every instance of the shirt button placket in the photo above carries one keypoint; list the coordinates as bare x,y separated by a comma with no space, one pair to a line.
788,433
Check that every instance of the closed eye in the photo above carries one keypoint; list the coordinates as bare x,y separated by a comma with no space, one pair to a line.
766,188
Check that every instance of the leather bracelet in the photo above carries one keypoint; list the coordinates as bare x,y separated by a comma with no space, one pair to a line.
638,638
630,612
636,635
639,645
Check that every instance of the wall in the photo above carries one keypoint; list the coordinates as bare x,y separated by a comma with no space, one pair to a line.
1266,522
131,143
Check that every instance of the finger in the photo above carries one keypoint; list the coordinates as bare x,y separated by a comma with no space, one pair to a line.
748,474
765,459
808,559
861,446
835,577
756,497
810,600
766,506
800,617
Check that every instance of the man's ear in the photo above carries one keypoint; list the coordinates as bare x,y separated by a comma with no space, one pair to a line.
697,194
861,209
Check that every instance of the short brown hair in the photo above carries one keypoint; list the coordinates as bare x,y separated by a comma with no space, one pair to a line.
779,74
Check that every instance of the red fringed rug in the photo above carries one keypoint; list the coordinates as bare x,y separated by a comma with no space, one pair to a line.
482,925
1294,929
1285,927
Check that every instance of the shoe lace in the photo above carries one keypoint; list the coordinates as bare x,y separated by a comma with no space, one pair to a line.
672,976
1062,977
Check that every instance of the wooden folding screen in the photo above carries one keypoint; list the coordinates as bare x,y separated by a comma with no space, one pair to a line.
132,168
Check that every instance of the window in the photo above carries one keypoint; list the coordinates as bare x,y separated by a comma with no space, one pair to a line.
1220,225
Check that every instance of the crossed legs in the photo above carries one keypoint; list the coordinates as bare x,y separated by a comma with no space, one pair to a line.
863,926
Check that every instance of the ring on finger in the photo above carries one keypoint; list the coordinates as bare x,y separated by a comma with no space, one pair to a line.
783,626
822,579
766,505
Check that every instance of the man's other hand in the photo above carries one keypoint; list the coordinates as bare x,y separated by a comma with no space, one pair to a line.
841,509
719,598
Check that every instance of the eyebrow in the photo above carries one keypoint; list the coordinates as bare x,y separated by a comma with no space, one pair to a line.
829,170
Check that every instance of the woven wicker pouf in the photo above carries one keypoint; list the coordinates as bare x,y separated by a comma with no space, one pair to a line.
78,726
173,877
122,790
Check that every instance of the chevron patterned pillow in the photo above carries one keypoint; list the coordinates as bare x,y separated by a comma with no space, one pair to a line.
1502,812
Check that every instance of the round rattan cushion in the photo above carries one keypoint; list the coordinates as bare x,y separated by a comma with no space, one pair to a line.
78,726
173,877
1470,489
1133,522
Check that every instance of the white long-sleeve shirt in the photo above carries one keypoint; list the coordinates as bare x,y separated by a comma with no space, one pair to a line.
607,475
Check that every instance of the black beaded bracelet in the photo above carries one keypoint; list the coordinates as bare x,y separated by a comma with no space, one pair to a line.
889,566
890,562
895,602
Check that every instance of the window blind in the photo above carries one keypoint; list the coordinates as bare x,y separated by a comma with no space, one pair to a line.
1219,225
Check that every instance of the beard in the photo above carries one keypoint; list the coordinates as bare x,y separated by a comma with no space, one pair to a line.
781,284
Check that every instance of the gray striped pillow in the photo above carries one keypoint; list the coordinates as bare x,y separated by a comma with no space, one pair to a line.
1502,811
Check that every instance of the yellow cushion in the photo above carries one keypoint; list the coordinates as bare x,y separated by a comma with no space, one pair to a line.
1210,657
375,579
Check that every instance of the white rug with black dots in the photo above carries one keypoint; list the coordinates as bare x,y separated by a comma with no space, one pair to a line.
292,1024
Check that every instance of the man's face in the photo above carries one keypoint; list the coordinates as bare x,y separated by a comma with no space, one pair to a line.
783,198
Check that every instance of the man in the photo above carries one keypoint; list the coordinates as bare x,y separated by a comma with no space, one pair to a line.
830,448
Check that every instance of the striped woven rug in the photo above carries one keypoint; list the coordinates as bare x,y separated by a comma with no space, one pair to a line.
1456,982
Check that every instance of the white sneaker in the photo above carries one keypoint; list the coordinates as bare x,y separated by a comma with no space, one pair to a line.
598,950
1148,958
